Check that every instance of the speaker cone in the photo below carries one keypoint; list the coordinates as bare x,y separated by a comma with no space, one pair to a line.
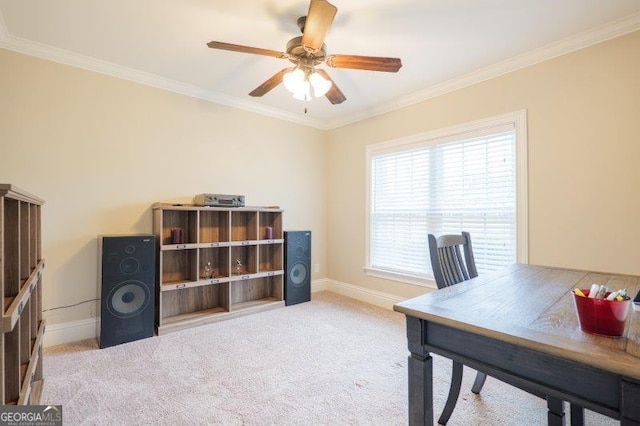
130,265
298,274
128,299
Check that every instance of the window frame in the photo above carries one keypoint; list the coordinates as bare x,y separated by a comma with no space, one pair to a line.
516,119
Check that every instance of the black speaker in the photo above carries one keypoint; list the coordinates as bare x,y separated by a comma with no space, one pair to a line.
126,275
297,261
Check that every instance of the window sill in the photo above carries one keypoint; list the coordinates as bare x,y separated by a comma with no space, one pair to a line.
403,278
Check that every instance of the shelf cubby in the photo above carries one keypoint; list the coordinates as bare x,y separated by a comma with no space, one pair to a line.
253,292
180,304
12,366
11,262
24,324
247,256
244,225
272,220
179,266
270,258
34,226
184,220
35,302
219,259
214,226
25,265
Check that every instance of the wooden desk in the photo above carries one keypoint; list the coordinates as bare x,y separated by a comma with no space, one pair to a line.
519,325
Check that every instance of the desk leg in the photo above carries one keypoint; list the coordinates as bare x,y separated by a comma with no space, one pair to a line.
577,415
420,368
629,409
555,415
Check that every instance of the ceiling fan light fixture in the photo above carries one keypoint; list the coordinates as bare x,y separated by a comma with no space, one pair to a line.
293,80
303,93
301,80
308,51
320,85
297,82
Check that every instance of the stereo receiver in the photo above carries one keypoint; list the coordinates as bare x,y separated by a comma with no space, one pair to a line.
219,200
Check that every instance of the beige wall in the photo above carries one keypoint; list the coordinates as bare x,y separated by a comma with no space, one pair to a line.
101,151
584,151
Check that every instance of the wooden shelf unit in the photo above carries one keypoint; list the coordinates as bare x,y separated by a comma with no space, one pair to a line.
21,267
248,267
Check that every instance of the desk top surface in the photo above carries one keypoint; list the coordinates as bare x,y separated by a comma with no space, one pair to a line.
532,306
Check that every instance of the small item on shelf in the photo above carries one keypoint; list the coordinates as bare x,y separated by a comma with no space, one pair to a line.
208,271
269,233
176,236
219,200
238,268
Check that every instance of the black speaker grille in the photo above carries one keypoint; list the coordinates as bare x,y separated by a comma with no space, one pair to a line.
127,281
297,287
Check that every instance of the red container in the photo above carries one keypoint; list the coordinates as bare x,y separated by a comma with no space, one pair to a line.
600,316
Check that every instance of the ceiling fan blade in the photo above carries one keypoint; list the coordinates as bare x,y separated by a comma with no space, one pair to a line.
334,94
319,19
245,49
265,87
370,63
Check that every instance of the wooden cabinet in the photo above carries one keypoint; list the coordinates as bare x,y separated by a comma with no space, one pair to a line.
216,263
21,266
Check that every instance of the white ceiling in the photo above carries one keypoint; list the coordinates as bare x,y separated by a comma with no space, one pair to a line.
443,44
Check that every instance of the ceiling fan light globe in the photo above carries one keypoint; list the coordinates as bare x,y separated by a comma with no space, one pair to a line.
304,91
320,85
294,80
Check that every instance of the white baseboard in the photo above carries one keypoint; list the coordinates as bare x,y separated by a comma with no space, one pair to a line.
58,334
321,284
67,332
374,297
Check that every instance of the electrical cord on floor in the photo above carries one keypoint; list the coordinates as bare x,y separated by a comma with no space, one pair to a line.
70,306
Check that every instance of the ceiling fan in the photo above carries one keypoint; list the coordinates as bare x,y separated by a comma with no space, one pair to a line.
308,51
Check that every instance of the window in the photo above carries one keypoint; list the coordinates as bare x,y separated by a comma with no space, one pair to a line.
470,177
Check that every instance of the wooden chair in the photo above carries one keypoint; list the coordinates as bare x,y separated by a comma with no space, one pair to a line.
449,268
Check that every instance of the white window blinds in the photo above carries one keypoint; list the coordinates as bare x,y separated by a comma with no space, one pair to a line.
444,186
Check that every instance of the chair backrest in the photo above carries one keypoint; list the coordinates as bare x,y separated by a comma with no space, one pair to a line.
448,265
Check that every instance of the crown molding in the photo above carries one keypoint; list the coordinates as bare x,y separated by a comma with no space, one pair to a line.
579,41
570,44
66,57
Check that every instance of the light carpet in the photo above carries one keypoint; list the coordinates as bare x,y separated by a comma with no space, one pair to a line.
332,361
